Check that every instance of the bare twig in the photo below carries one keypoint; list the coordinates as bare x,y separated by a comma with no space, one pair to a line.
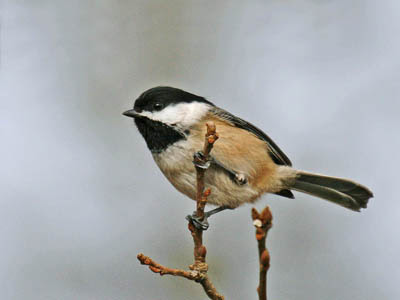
157,268
262,222
200,250
210,138
199,269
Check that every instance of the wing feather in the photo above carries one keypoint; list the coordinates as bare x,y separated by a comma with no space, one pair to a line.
275,152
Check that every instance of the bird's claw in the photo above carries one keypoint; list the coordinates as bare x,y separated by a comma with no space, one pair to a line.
240,179
200,161
197,222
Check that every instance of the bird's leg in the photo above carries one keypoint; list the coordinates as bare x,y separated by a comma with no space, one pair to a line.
203,224
200,162
216,210
236,177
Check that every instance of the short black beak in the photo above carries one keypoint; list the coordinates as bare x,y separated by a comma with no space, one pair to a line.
131,113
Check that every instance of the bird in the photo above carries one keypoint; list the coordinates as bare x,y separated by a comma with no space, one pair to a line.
244,164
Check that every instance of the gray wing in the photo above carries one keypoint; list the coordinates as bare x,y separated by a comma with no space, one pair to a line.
276,154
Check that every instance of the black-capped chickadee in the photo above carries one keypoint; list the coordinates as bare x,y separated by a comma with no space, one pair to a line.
245,162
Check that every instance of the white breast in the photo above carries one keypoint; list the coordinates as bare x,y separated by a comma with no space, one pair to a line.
176,164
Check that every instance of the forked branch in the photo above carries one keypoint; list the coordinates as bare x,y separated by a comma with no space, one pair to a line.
198,270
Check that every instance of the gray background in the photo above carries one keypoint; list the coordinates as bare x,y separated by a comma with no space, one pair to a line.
81,196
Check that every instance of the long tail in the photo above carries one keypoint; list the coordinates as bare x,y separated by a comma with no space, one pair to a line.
341,191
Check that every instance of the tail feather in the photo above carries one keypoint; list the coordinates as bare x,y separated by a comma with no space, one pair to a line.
341,191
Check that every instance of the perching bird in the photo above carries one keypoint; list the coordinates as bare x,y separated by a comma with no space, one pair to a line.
245,162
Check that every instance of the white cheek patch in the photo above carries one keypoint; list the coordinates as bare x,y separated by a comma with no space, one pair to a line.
182,115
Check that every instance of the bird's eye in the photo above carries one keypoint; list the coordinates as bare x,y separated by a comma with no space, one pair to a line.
158,106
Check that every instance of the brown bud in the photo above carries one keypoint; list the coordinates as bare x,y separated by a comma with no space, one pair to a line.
155,270
260,234
191,227
266,215
202,251
207,192
264,260
210,127
254,214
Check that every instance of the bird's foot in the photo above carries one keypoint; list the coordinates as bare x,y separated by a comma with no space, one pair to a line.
200,161
240,179
199,223
202,223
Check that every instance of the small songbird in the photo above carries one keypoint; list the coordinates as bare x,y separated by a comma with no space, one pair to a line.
245,163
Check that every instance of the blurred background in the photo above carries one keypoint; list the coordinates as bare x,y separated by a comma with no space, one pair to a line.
81,196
